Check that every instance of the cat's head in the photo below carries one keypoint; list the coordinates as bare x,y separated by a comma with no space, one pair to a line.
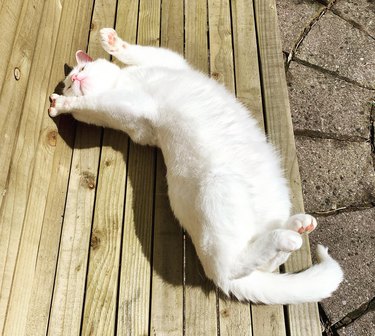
89,76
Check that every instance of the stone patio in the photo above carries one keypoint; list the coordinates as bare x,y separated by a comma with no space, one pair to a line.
329,49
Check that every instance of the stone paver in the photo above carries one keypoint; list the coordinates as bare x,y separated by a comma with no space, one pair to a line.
335,173
336,45
323,103
294,17
365,326
362,12
350,238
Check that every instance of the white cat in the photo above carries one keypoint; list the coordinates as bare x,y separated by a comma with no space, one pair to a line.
225,182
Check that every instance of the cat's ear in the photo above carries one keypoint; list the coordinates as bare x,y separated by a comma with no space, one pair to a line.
67,69
82,57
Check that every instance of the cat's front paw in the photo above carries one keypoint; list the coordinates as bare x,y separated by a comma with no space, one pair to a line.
57,104
301,223
110,41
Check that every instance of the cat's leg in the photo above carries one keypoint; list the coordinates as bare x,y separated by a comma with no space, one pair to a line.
301,223
267,252
133,113
139,55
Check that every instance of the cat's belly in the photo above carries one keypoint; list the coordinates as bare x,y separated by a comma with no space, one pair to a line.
227,204
183,195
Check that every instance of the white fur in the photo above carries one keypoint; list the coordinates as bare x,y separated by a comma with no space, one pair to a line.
225,183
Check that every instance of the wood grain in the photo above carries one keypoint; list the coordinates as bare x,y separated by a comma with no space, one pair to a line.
167,275
234,317
200,294
51,174
247,76
134,298
16,81
103,271
68,296
100,305
17,162
303,319
10,11
11,105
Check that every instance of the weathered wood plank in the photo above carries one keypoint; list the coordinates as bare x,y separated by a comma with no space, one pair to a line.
11,102
103,271
51,173
247,77
303,319
248,90
167,275
16,81
234,317
134,298
267,320
16,174
57,161
200,294
133,309
221,49
196,50
167,280
68,296
100,306
10,11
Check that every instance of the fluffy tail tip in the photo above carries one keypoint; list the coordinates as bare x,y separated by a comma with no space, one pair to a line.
322,253
325,258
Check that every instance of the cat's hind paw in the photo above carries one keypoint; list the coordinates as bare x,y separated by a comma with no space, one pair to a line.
287,240
301,223
110,41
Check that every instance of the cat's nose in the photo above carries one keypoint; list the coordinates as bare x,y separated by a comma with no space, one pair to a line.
74,77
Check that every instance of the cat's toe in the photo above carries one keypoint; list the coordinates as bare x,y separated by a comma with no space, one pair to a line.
302,223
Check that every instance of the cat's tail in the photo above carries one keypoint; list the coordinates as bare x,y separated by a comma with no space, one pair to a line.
311,285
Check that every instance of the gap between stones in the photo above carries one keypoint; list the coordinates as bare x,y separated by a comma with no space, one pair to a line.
332,73
355,315
331,136
343,209
331,330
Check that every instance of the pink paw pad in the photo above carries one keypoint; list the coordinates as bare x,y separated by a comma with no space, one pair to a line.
111,39
302,223
307,229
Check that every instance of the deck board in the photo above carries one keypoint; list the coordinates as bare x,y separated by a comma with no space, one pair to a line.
167,275
234,317
303,319
89,244
100,300
200,294
14,184
14,173
135,289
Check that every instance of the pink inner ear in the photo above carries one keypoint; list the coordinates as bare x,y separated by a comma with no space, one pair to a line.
82,57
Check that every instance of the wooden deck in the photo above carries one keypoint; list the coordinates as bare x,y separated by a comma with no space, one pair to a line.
88,243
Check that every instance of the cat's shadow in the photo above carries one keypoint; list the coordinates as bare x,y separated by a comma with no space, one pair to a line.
178,266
